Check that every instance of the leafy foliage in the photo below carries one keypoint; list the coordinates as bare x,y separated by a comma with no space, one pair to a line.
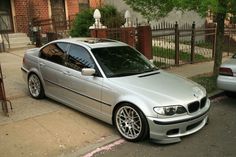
81,23
184,56
154,9
151,9
110,18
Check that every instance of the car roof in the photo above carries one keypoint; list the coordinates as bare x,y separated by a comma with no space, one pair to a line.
93,42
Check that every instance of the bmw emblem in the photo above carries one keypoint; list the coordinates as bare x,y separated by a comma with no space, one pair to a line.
197,92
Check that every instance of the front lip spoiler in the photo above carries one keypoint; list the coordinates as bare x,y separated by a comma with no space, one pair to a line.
23,69
180,121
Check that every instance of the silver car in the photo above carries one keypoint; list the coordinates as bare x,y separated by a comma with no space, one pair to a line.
226,79
115,83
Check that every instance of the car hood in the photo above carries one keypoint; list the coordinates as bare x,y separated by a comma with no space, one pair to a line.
161,87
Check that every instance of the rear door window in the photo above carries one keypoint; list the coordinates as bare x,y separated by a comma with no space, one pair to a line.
54,52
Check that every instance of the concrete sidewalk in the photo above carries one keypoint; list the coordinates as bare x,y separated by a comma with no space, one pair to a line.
47,128
190,70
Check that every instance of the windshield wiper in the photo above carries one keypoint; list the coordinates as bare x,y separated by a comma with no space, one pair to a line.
149,74
151,70
145,75
125,74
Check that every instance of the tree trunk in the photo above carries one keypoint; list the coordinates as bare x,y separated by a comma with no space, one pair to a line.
220,18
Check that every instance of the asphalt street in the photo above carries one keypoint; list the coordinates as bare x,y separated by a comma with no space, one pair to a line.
217,139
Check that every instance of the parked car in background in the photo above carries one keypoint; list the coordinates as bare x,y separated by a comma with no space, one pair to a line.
113,82
226,79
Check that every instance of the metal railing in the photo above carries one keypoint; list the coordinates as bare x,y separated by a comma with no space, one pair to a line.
4,34
174,45
3,100
53,30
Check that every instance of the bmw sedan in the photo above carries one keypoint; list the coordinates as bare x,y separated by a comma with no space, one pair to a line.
115,83
226,79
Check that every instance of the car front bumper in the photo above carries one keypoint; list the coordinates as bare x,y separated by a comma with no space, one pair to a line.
172,131
24,73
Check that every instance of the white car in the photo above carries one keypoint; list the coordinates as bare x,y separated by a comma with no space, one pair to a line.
115,83
226,79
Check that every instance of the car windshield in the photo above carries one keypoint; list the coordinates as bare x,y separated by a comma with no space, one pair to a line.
122,61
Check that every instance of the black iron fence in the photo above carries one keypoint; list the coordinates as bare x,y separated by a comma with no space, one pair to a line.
46,30
174,45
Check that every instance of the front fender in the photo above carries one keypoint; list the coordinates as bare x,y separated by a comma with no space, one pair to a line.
144,105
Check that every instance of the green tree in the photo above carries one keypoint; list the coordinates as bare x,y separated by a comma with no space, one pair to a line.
154,9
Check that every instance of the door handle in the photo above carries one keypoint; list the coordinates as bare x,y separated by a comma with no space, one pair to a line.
41,64
66,73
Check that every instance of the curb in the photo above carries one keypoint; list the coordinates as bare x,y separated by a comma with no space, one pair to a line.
216,94
85,150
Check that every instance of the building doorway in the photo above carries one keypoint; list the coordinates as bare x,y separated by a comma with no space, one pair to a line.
6,23
58,14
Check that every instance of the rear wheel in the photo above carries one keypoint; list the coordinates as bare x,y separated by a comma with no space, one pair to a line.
131,123
35,87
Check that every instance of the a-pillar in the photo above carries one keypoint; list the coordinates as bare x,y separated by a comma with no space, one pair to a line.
145,41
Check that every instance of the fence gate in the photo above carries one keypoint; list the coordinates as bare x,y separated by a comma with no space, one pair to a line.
3,99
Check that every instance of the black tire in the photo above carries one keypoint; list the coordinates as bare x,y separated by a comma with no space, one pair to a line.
131,123
35,86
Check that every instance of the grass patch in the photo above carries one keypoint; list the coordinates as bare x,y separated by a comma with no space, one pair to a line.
203,44
207,45
206,80
170,54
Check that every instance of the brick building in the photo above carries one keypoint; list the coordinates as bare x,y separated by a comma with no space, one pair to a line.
17,15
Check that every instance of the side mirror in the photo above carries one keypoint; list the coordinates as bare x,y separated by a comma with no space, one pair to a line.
88,71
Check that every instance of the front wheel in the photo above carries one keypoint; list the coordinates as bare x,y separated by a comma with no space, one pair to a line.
35,87
131,123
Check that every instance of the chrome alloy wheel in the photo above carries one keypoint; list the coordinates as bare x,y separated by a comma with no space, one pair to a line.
128,122
34,85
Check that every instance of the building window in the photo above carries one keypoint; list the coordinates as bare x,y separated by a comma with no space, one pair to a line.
83,5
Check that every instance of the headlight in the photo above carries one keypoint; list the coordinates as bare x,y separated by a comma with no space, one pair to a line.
170,110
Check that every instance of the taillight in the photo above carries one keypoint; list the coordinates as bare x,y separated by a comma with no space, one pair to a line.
225,71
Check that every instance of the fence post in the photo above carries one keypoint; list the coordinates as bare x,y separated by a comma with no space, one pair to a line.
38,38
127,31
176,43
192,43
214,42
145,40
229,49
97,30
